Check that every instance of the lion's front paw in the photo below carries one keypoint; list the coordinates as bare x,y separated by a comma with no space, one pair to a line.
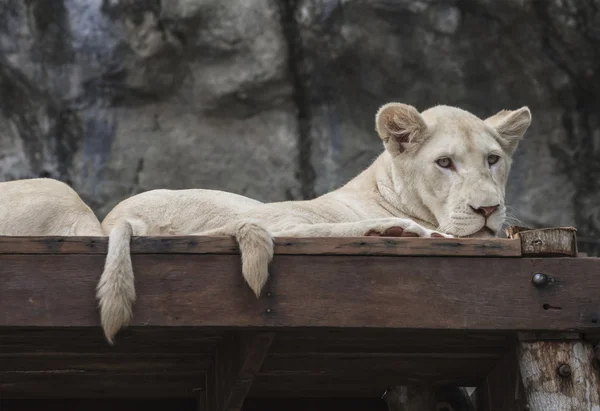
404,228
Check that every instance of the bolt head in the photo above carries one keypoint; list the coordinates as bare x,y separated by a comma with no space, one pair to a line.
564,370
539,279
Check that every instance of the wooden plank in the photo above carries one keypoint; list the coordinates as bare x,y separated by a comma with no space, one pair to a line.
110,364
134,340
388,341
236,363
147,340
435,369
96,404
558,241
371,292
283,245
94,385
559,375
335,387
434,365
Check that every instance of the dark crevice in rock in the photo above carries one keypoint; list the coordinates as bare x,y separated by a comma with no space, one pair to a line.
306,171
135,9
136,181
49,131
49,24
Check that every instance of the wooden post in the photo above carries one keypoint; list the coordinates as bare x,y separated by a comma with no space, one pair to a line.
560,375
236,362
502,389
559,372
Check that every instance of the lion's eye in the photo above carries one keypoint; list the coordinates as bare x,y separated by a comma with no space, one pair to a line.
493,159
444,162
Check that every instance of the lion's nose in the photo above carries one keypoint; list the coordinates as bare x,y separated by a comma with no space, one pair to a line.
485,211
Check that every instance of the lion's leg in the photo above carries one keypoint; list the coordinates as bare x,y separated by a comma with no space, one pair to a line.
387,227
256,247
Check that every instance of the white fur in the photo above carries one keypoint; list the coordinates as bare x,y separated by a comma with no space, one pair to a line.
44,207
403,188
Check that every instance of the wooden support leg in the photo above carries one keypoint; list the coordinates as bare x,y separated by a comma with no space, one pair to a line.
236,362
559,375
502,389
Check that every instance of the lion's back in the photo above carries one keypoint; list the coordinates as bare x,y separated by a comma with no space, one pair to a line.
44,206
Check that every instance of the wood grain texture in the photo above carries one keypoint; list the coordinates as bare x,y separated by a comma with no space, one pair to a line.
376,370
110,364
236,363
559,241
323,291
96,404
89,340
546,389
389,341
283,245
502,389
358,362
100,385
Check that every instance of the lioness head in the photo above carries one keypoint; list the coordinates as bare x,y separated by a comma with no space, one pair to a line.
450,166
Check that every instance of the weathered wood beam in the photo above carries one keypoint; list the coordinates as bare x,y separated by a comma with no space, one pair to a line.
284,246
559,372
557,241
236,362
344,291
559,375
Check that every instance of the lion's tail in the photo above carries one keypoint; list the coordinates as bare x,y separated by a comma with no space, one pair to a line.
256,247
116,288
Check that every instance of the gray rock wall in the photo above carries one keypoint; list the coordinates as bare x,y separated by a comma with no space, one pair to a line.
275,99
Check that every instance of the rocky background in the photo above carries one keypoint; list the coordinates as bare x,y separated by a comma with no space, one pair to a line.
275,99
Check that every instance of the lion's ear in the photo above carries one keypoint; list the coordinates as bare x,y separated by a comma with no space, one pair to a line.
510,125
400,126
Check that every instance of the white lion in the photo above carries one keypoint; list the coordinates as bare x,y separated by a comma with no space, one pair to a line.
443,170
44,207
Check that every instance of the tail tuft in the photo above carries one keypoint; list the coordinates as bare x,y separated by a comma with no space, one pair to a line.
256,246
116,288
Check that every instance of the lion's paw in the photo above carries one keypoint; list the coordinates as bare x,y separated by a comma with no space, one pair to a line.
400,227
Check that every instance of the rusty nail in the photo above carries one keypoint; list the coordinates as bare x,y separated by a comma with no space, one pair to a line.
539,279
564,370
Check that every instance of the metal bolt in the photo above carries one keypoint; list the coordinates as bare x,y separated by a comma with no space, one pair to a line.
539,279
268,310
564,370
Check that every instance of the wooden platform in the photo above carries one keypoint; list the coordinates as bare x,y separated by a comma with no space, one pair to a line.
340,317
